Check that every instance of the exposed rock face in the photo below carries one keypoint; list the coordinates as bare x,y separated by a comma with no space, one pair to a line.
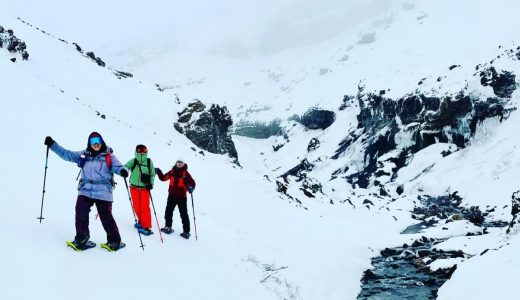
208,129
14,45
515,209
423,120
503,84
316,118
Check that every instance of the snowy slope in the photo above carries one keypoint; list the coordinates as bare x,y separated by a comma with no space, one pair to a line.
244,237
255,242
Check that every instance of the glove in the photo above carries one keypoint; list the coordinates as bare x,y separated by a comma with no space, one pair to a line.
149,186
158,171
190,189
123,173
48,141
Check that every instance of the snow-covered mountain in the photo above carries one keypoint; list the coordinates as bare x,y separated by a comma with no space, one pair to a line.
330,166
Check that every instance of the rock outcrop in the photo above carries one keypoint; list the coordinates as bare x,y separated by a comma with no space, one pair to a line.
207,128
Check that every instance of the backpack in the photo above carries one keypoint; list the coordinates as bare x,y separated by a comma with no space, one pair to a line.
108,160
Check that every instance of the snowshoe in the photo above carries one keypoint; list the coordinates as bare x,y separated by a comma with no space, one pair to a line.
112,247
185,235
78,246
145,231
167,230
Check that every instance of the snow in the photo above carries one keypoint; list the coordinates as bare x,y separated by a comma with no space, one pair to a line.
445,263
253,243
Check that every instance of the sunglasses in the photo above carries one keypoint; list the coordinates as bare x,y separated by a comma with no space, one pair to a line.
95,140
142,150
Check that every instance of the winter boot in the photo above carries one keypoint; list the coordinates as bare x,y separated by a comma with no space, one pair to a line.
138,226
115,246
83,244
185,235
145,231
167,230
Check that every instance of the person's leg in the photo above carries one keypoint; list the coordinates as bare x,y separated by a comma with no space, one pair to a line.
83,204
183,210
146,216
136,203
107,219
168,214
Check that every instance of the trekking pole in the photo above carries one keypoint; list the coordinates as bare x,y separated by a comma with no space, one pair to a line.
194,218
135,217
44,179
156,219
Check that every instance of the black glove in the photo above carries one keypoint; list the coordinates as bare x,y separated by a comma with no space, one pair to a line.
158,171
123,173
149,186
48,141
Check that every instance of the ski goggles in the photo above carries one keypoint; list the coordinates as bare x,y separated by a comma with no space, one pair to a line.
141,150
180,161
95,140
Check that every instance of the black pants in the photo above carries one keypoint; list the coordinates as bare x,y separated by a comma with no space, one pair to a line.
104,208
183,210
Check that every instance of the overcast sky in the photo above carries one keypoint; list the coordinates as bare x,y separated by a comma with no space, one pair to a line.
233,27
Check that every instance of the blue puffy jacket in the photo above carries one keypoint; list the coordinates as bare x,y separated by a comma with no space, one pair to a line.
96,177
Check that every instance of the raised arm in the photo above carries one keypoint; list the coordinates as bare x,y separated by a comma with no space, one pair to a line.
72,156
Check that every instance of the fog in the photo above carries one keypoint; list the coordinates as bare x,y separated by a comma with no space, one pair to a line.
229,27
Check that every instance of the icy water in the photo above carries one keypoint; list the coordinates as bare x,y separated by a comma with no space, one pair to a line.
402,273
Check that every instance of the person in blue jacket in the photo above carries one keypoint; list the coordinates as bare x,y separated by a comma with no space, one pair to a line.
98,164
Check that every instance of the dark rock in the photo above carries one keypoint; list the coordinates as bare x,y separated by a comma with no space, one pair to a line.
400,190
313,144
196,106
316,118
300,171
25,55
100,62
389,252
184,118
369,275
13,59
407,254
515,210
78,48
503,84
417,243
91,55
122,74
453,67
424,253
210,131
366,201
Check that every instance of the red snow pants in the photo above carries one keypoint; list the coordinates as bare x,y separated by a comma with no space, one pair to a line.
141,203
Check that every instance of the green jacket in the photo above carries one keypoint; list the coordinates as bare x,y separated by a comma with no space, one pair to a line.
135,176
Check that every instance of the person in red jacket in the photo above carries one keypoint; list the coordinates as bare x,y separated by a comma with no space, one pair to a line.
180,183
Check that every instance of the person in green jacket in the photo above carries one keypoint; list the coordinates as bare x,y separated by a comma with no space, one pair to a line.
141,182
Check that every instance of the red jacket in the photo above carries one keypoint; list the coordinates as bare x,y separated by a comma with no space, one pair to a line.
180,180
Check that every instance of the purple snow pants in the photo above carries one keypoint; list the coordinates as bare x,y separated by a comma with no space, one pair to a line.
104,208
